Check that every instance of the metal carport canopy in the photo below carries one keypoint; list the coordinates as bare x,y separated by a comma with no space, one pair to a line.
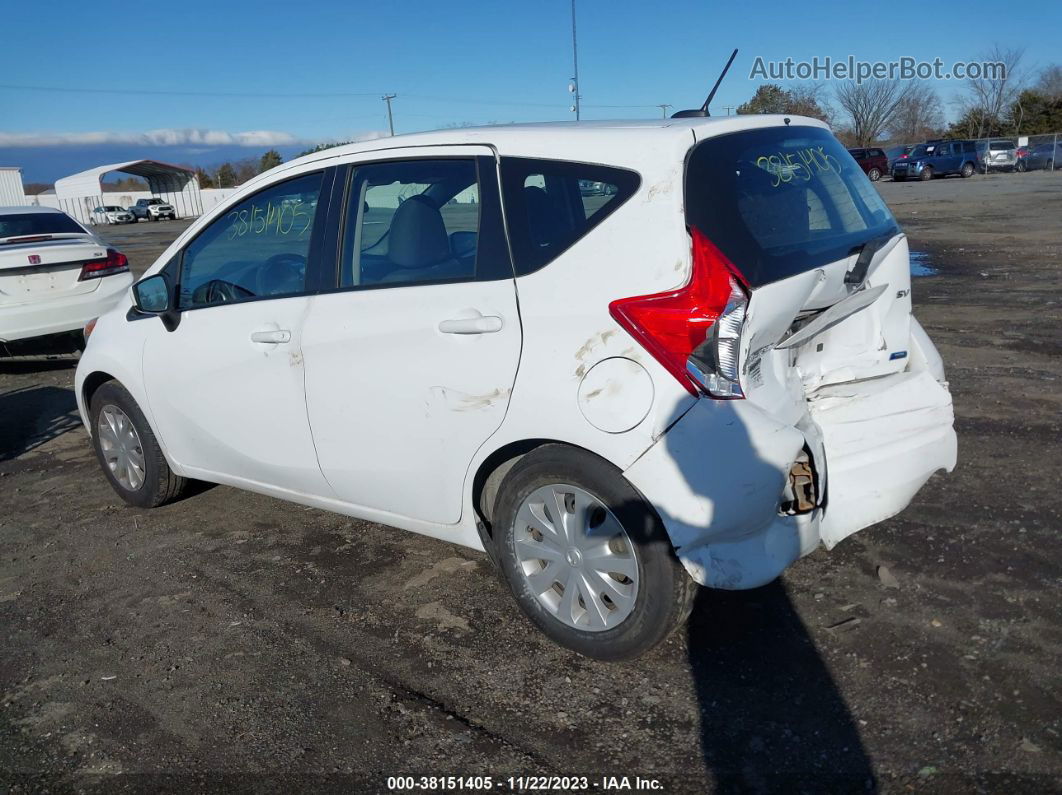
177,183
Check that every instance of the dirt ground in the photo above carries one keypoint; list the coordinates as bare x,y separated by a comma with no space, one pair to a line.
232,641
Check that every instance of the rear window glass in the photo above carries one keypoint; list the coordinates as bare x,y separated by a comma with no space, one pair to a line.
782,200
22,224
550,204
997,145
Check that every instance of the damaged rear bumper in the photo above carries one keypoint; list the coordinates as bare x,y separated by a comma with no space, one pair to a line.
719,475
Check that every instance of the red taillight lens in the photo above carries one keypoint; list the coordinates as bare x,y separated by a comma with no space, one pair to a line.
116,262
674,326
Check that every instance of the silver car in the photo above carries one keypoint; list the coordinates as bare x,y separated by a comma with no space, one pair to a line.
1000,154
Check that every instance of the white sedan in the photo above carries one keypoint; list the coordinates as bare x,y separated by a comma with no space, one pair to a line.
55,276
112,214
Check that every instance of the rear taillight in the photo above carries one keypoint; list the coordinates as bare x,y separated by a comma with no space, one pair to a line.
116,262
694,331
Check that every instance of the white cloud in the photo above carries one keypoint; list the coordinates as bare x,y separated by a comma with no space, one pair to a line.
192,137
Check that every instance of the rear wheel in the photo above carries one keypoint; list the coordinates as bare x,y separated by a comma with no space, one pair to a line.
1021,167
587,559
967,170
927,174
874,174
127,450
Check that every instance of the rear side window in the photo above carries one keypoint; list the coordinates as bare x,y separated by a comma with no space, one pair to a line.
551,204
876,153
782,200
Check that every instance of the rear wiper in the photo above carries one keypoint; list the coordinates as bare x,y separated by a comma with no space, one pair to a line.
866,252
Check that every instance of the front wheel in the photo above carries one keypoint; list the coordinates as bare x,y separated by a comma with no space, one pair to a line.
967,170
127,450
927,174
588,560
874,174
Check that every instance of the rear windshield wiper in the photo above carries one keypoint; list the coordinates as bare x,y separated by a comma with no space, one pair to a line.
866,252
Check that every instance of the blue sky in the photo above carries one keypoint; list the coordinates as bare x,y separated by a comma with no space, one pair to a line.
455,62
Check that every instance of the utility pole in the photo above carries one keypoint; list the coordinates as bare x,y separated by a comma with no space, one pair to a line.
728,109
390,119
663,108
575,64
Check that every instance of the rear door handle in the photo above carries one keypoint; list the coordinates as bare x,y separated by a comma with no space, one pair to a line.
483,324
273,336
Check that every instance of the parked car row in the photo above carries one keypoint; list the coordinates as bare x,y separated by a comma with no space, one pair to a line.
966,157
153,209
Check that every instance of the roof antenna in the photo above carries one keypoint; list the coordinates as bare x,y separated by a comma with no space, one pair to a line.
702,111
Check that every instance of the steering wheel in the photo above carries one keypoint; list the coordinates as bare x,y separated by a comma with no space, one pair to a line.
281,274
217,291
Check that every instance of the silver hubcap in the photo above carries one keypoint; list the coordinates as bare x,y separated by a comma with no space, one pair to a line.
576,557
121,447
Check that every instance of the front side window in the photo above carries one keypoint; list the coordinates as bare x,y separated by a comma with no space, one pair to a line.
412,222
551,204
259,248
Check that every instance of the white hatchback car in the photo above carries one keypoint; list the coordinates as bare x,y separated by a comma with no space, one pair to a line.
55,276
696,374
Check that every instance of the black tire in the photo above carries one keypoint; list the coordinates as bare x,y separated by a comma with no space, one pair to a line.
967,170
665,591
160,484
927,174
874,174
1020,167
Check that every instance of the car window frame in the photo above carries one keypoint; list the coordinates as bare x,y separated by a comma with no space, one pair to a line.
491,239
627,181
317,233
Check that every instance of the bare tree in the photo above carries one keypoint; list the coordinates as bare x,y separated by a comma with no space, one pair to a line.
1050,82
871,106
917,115
993,92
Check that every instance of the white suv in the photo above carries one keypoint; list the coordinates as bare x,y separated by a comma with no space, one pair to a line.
696,374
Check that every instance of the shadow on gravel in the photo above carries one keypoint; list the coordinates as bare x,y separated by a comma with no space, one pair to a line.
772,718
33,416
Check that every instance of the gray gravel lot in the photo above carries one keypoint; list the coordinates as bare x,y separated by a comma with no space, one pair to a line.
232,641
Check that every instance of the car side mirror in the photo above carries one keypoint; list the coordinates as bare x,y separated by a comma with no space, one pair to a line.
154,296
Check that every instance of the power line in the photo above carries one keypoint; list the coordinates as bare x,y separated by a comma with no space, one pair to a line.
168,93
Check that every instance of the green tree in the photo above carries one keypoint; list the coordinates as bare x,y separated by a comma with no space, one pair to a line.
772,98
321,148
226,176
769,98
1034,113
270,159
204,179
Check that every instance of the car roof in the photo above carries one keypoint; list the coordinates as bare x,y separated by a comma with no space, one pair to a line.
29,208
620,141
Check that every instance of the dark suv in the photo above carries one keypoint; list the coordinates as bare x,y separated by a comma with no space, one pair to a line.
937,159
872,160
